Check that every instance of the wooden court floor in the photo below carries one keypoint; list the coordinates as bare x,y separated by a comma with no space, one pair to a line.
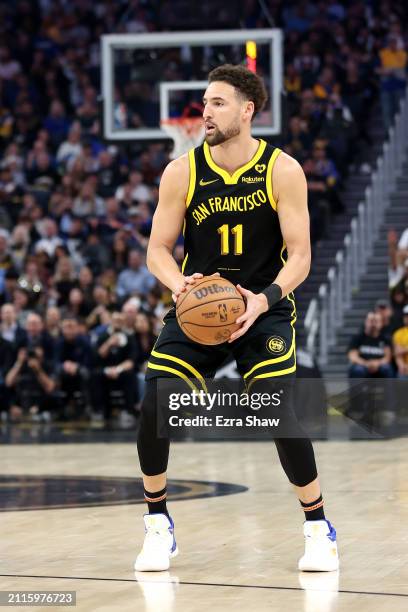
237,551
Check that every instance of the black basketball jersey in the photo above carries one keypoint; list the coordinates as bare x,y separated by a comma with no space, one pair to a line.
231,222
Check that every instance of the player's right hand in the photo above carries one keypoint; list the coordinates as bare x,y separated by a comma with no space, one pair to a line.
188,280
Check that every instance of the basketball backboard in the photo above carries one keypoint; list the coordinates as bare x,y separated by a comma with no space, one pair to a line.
150,77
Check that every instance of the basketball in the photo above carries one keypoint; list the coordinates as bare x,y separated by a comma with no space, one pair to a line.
208,310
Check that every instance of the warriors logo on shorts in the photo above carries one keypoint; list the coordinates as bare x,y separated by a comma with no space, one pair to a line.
276,345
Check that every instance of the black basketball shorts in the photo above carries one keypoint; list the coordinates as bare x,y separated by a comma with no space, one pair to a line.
266,350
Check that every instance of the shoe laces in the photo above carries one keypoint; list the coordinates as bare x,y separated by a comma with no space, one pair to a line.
155,537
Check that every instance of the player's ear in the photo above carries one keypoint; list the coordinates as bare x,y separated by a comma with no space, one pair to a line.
249,108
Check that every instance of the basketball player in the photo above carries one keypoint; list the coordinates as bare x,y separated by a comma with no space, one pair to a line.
244,206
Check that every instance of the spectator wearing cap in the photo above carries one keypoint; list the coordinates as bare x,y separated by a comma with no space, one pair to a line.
135,279
400,344
389,320
369,352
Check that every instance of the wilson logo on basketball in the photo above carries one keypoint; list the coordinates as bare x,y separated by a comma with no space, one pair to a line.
276,344
212,289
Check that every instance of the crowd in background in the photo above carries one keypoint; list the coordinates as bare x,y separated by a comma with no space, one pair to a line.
380,349
80,311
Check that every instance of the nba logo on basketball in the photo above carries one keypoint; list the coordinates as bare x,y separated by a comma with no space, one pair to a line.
222,311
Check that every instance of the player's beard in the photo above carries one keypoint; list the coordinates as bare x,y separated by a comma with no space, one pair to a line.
218,137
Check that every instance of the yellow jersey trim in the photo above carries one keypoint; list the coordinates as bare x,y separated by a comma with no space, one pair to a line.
176,372
192,179
271,374
232,179
284,357
269,170
183,363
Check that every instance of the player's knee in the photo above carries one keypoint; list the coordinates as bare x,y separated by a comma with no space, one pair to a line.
298,460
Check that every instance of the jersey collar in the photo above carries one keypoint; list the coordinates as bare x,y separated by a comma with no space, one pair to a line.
232,179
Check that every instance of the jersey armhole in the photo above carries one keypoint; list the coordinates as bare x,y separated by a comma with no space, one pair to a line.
192,179
269,170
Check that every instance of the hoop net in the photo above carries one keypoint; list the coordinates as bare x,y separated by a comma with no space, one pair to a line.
186,132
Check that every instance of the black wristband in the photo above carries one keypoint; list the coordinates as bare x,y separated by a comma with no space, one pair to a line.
273,294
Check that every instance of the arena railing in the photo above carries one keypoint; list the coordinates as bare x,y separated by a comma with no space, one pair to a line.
325,314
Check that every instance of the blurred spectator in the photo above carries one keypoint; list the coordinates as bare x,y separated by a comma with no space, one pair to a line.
389,320
369,352
318,201
138,191
147,337
135,279
19,245
400,343
31,379
393,64
87,203
108,175
70,149
114,365
9,67
6,362
56,123
6,261
10,328
53,322
31,283
398,256
73,357
49,237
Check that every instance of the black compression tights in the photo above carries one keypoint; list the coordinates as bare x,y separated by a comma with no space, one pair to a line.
295,453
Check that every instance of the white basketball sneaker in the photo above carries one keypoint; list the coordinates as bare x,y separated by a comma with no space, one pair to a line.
320,547
159,544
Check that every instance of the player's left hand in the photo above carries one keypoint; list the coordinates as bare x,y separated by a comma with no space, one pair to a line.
256,304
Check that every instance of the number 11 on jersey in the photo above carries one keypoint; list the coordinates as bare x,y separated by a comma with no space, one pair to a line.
236,231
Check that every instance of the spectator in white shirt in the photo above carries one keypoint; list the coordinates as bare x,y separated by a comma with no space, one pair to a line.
50,239
139,191
71,148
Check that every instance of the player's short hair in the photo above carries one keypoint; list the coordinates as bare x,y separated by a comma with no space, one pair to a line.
248,84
